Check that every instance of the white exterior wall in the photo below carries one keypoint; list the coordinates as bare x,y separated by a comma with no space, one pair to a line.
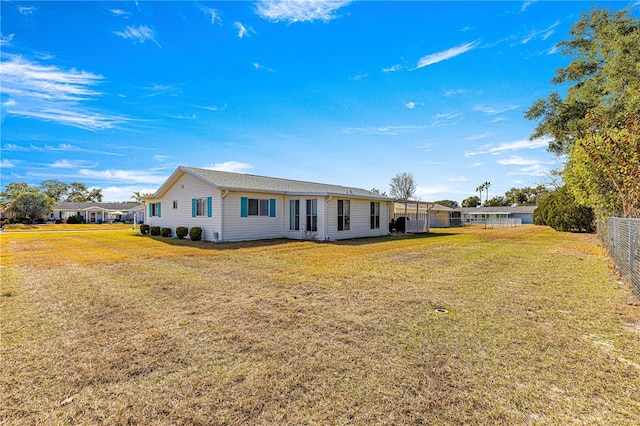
184,190
237,228
360,223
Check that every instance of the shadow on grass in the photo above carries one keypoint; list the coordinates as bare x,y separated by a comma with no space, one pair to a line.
207,245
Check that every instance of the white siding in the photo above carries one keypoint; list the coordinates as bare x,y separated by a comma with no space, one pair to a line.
237,228
360,220
184,190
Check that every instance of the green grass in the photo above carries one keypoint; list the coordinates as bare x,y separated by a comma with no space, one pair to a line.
111,327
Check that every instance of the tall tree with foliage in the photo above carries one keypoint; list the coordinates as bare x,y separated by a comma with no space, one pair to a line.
604,76
604,169
472,201
402,186
448,203
31,204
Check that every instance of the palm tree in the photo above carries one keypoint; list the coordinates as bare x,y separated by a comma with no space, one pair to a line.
480,189
138,196
486,186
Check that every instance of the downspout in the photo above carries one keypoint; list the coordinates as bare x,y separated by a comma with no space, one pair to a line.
326,217
221,234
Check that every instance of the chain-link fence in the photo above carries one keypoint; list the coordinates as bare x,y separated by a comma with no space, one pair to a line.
622,238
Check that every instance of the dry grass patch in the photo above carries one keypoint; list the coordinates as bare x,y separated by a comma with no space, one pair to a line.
117,328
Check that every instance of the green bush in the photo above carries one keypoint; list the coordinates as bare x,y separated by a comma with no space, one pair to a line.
154,230
182,231
195,233
144,229
74,220
560,211
166,232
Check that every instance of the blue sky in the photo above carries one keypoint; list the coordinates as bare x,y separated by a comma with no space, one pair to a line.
118,94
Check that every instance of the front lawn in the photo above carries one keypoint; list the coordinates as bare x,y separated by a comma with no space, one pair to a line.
516,326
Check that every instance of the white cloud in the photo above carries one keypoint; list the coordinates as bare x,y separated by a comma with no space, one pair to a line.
454,92
4,41
72,164
299,10
124,193
540,34
426,193
526,4
141,33
24,10
230,166
498,120
7,164
259,66
410,105
489,110
393,68
158,157
211,107
434,58
382,130
478,136
459,179
446,119
50,93
359,76
213,14
242,30
510,146
125,176
119,12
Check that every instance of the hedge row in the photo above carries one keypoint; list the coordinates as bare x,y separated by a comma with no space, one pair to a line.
195,233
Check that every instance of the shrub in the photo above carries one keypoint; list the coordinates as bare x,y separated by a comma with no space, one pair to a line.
144,229
182,231
166,232
154,230
195,233
74,220
560,211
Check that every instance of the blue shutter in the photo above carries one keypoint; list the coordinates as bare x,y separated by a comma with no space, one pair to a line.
193,207
159,213
208,206
272,207
150,209
244,207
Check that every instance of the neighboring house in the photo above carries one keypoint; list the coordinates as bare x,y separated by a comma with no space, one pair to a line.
239,207
99,212
481,214
437,215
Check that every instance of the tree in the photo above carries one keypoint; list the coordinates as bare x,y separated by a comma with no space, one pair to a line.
31,204
54,189
138,196
448,203
377,191
605,48
402,186
486,186
12,190
471,202
526,196
561,211
480,189
496,201
604,168
79,193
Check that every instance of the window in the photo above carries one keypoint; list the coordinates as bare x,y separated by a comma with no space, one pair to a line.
175,204
257,207
294,215
344,215
201,206
154,209
375,215
312,215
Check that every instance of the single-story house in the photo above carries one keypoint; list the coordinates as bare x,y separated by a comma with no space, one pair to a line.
240,207
98,212
481,214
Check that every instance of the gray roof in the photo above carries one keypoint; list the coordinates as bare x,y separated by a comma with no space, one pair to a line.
63,205
499,209
252,183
